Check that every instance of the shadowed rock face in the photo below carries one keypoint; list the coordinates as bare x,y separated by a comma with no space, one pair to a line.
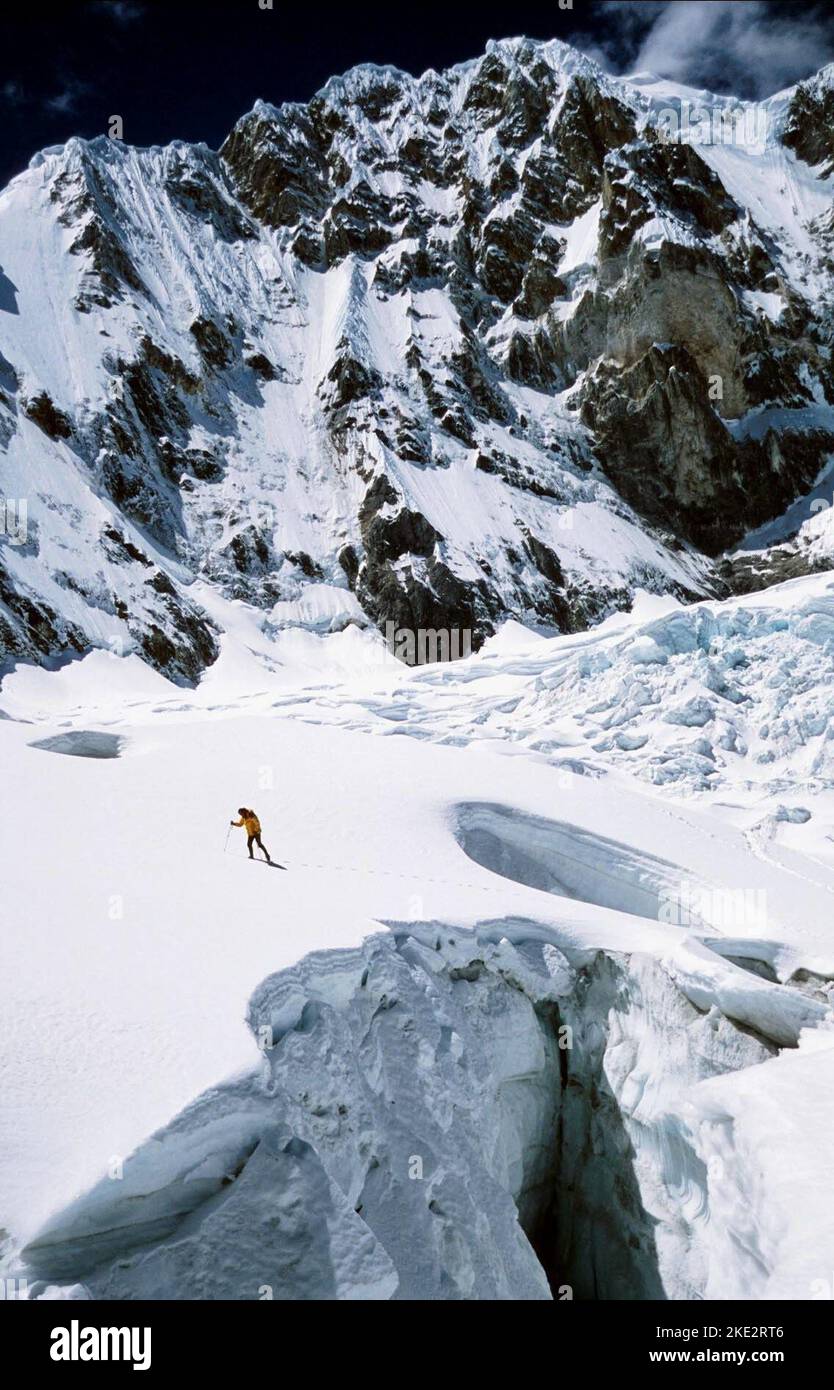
650,176
669,453
42,411
809,129
308,343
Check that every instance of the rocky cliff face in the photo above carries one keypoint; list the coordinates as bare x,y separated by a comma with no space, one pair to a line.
481,344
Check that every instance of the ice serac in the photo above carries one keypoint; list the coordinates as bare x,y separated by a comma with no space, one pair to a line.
440,1114
475,345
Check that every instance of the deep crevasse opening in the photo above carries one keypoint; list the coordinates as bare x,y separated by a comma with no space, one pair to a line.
561,858
440,1114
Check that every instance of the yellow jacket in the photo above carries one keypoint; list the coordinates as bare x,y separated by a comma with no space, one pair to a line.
253,825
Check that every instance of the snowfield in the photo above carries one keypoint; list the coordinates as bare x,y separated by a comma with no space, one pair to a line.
539,1003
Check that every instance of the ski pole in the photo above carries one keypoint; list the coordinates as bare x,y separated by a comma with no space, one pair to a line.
228,833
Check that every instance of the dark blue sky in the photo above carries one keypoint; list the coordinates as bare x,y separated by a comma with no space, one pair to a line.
188,68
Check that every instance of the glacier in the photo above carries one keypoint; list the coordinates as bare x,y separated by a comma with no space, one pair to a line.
541,1006
459,1051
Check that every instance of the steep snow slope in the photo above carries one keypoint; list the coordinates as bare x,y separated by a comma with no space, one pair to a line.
591,1001
445,348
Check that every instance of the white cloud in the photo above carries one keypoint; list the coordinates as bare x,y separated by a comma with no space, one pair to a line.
751,47
67,99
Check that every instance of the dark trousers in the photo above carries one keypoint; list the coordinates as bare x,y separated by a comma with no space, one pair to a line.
255,839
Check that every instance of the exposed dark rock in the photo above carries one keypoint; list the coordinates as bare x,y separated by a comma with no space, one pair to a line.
381,493
29,628
88,206
359,224
184,656
205,466
545,560
478,380
305,563
540,286
533,360
249,551
407,532
412,441
503,251
749,573
391,591
775,378
214,345
670,456
589,126
348,380
119,548
279,170
442,602
349,561
809,128
195,192
261,366
43,412
175,371
646,177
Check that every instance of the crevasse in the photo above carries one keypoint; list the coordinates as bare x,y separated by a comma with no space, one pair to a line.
439,1115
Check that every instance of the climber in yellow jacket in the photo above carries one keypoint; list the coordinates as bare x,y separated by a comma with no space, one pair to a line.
253,831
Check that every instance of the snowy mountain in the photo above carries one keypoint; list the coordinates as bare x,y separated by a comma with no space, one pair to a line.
434,352
538,1001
